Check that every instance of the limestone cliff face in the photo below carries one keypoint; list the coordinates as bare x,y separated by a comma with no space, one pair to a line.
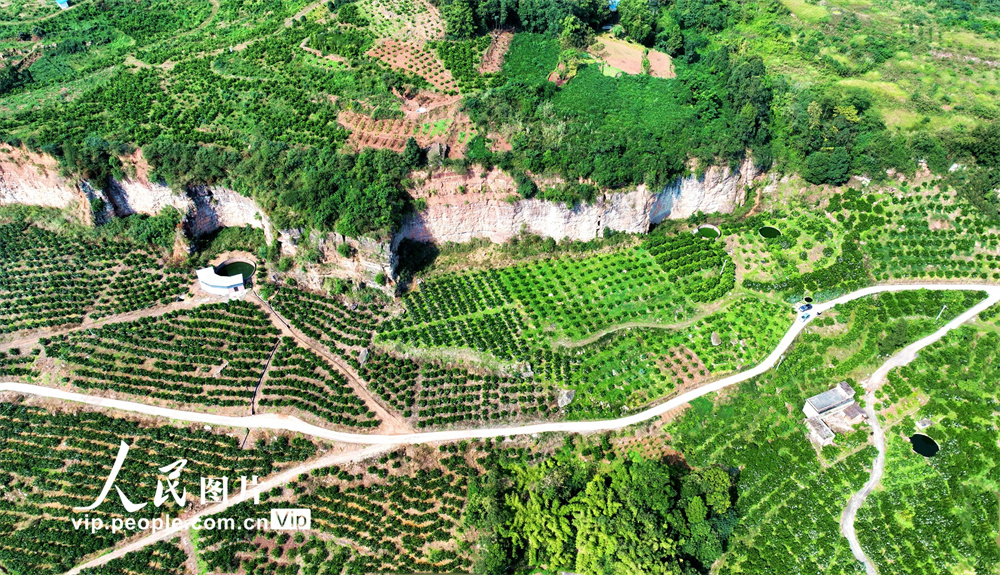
33,179
458,216
499,219
718,190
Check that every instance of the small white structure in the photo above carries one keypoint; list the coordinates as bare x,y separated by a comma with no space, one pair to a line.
833,409
829,402
215,284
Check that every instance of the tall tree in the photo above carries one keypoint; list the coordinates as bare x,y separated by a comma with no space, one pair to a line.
460,21
637,19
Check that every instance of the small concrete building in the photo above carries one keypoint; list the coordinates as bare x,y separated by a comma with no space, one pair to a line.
832,410
215,284
819,432
829,402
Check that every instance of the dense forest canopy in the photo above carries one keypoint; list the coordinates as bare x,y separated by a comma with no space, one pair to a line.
579,514
229,95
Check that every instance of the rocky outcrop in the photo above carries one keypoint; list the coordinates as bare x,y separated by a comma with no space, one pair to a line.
491,210
366,258
140,196
718,190
216,207
499,219
33,179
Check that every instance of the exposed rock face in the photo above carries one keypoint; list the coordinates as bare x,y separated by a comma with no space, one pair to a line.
719,190
140,196
33,179
368,257
499,220
459,217
216,207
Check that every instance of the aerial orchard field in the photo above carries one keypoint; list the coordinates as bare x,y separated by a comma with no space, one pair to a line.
56,460
570,297
213,355
791,494
629,369
344,328
432,394
401,513
300,379
162,558
941,507
17,362
49,280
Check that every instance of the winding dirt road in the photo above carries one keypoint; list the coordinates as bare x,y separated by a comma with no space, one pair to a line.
380,443
871,385
293,424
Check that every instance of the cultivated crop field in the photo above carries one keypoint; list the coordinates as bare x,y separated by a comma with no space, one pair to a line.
300,379
943,507
49,280
432,394
51,461
212,356
403,19
902,231
628,369
345,329
571,297
400,513
17,362
161,558
417,59
790,494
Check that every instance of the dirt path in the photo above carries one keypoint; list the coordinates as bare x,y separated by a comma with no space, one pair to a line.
703,313
278,480
908,354
295,425
263,375
31,339
382,443
391,422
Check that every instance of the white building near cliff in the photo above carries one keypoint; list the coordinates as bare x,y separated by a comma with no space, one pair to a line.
215,284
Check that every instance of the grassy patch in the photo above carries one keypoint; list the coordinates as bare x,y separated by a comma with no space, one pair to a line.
805,11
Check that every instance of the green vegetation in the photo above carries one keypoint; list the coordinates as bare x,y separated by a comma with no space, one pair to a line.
531,58
939,513
790,496
50,279
299,378
18,363
399,514
237,94
161,558
56,460
569,512
344,328
213,355
434,395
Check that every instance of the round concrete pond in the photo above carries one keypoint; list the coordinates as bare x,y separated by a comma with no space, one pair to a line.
235,268
924,445
709,232
769,232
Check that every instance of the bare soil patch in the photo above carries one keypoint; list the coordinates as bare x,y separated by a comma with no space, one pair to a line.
499,44
627,57
415,57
